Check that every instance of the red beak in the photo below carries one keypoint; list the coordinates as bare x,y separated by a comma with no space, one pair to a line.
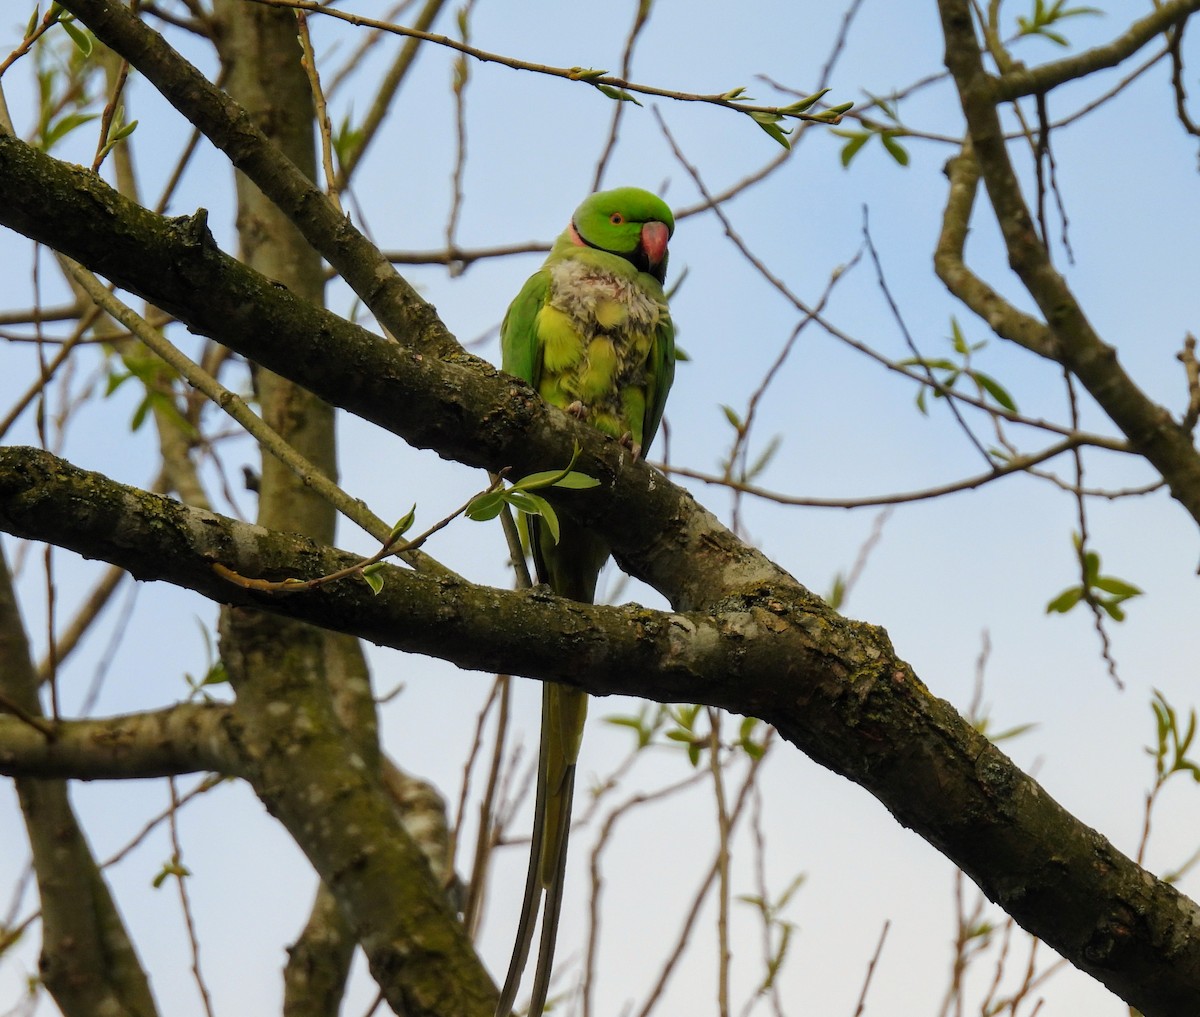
654,242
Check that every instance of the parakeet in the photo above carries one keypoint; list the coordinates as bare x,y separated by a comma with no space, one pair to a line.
591,332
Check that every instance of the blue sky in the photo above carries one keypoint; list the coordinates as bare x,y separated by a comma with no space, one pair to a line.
942,574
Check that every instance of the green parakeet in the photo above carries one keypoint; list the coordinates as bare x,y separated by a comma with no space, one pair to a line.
591,332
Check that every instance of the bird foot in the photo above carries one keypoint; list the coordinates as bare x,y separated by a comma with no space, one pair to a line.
627,440
577,410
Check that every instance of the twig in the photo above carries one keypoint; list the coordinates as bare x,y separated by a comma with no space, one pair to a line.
640,18
180,874
106,117
269,439
88,612
862,996
1082,550
1191,367
392,545
689,920
603,837
590,76
309,62
909,341
39,724
724,954
1018,464
388,87
462,74
1175,40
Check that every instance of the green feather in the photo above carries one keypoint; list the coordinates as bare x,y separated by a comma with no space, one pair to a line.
591,332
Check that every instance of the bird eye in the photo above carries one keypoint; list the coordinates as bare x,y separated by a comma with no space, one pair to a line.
616,218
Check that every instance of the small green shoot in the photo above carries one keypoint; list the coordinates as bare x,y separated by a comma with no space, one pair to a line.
1105,592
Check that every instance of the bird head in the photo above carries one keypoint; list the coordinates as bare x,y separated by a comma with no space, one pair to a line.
629,222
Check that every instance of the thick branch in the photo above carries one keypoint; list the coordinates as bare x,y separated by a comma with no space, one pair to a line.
832,687
88,961
308,774
179,739
1148,426
231,129
463,408
1002,317
1029,81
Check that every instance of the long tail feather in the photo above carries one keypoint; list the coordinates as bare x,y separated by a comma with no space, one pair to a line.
570,569
554,897
533,890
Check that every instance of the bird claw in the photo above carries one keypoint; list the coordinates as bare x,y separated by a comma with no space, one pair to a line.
577,410
627,440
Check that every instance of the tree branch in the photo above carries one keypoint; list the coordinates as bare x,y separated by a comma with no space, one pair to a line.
832,687
1029,81
1148,426
228,126
186,738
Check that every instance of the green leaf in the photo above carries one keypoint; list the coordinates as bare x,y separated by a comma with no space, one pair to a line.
486,506
585,73
618,93
837,592
995,390
168,870
139,415
769,122
82,39
373,579
63,126
894,148
732,417
1012,732
803,105
404,525
549,517
546,478
524,501
1065,601
854,145
123,132
217,675
933,363
575,481
764,457
834,113
957,339
1110,584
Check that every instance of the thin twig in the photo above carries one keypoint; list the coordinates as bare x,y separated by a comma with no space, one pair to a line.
911,343
1017,464
640,18
393,545
588,75
862,996
181,874
308,61
701,894
724,891
1082,552
603,837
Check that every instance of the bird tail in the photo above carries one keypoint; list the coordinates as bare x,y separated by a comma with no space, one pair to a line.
570,567
563,712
